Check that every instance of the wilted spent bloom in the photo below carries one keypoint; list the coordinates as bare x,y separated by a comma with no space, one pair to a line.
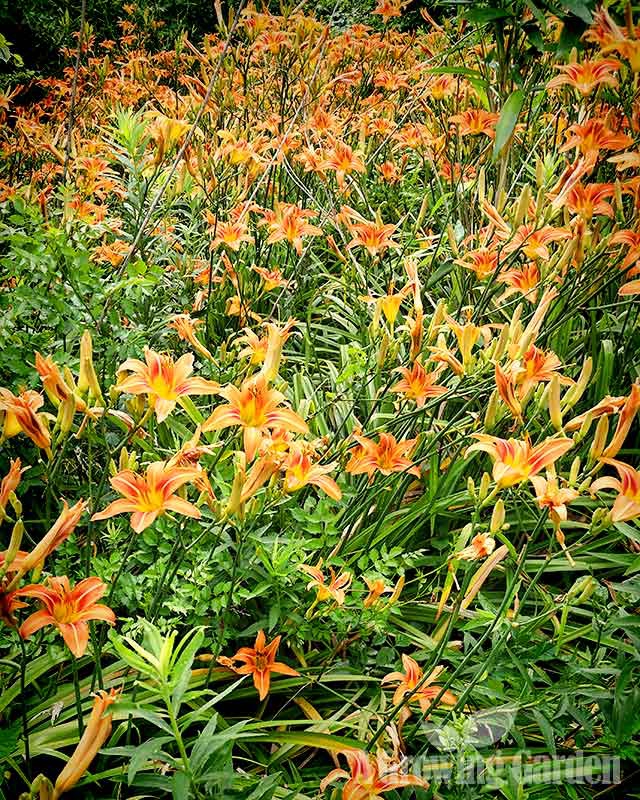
482,545
20,413
62,528
9,484
185,326
259,662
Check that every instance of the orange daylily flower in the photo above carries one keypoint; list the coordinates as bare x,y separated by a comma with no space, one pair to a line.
342,160
288,222
96,733
334,589
369,777
232,234
483,261
256,409
555,498
407,691
300,471
272,278
524,280
375,237
388,9
55,386
591,200
386,456
148,496
533,243
631,239
68,609
164,381
260,662
475,121
20,416
627,415
515,460
536,366
593,136
587,76
418,384
627,504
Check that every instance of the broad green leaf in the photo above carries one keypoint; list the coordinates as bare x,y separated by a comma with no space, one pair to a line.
507,122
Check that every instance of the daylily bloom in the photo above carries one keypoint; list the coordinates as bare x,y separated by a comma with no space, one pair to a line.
289,222
593,136
375,237
232,234
150,495
475,121
96,733
418,384
627,504
342,160
515,460
272,278
164,381
424,695
369,777
68,609
591,200
483,261
389,304
587,76
20,415
522,279
631,239
556,499
627,415
260,662
256,409
53,383
334,590
533,242
301,471
388,9
386,456
536,366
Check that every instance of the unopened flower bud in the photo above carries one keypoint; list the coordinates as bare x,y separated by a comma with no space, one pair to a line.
497,518
485,482
599,439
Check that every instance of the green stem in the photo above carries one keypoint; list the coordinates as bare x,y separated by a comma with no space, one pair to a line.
76,688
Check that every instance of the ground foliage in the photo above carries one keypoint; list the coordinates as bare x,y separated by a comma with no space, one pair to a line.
319,411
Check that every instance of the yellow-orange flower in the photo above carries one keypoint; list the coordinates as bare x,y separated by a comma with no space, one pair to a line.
164,381
515,460
300,471
336,587
417,384
148,496
256,409
587,76
259,662
67,609
369,777
386,456
407,690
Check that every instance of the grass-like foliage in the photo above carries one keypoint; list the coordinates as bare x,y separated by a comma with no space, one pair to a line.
318,409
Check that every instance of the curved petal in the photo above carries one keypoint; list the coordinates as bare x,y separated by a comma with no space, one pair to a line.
116,507
36,621
76,636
